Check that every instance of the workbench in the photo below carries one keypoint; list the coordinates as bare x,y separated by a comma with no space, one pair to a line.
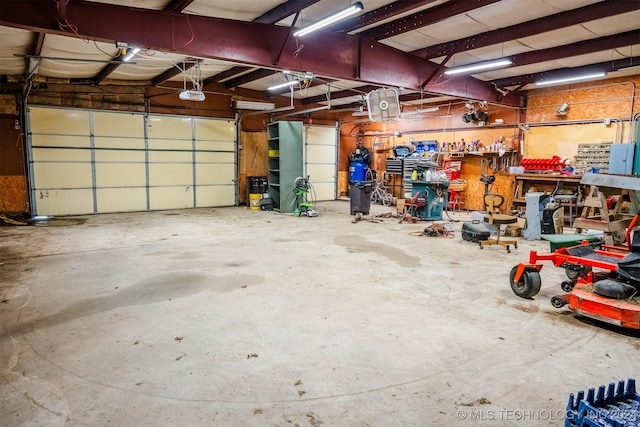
567,189
596,214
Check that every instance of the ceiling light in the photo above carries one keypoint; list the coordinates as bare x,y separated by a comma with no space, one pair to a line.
191,95
131,54
254,105
478,67
354,8
570,79
284,84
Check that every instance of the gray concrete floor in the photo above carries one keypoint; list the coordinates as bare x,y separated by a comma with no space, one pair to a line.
232,317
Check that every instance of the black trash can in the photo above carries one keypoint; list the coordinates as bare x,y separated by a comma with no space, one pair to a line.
360,196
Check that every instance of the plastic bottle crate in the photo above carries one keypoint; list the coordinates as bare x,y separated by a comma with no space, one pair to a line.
610,406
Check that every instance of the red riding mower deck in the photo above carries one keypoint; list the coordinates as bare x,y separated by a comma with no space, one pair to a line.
602,284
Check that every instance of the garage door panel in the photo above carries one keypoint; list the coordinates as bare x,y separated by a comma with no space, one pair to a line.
119,156
64,202
214,130
121,125
121,199
321,188
59,121
44,155
39,140
227,146
171,197
120,175
62,175
321,153
170,174
214,174
133,168
215,195
170,157
214,158
170,144
320,173
168,127
118,143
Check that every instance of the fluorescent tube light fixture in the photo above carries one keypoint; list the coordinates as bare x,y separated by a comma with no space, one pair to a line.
570,79
284,84
478,67
254,105
354,8
131,54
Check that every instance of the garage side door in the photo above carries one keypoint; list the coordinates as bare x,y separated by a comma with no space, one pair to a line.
215,162
320,160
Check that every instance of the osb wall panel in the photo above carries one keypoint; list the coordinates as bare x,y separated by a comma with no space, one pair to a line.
252,160
474,188
547,141
612,99
615,99
13,194
8,104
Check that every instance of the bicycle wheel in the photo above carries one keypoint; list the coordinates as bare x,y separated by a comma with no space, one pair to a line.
387,199
374,197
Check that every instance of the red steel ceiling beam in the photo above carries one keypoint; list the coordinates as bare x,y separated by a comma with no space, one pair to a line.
334,55
424,18
541,25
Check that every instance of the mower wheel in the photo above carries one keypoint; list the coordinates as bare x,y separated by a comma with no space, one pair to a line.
567,285
557,301
529,284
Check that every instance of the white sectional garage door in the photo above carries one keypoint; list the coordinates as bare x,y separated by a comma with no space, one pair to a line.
321,160
96,162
